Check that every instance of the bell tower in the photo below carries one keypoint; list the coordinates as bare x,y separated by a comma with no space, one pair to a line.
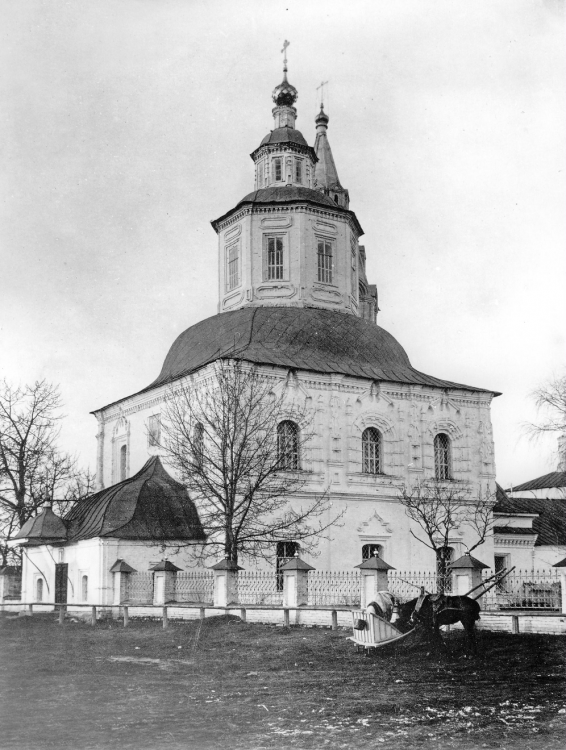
293,241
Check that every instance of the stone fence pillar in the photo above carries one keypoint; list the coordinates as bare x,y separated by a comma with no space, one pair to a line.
562,567
466,575
164,577
225,582
295,582
374,578
121,572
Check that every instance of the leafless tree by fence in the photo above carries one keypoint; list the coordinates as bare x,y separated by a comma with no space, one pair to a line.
238,444
440,509
32,469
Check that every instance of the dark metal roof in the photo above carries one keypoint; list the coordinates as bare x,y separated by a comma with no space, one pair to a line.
149,505
285,135
514,530
548,481
288,194
550,525
166,565
121,566
44,527
468,561
302,338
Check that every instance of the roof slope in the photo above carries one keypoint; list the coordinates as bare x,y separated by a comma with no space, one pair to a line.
326,174
285,135
45,526
548,481
149,506
288,194
303,338
550,524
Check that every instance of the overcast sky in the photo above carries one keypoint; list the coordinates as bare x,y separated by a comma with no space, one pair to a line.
126,126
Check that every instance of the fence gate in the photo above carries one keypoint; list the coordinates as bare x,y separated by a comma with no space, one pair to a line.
61,582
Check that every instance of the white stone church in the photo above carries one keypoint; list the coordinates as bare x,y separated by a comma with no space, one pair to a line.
295,301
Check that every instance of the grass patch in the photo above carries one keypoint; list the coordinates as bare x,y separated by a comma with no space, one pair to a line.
249,686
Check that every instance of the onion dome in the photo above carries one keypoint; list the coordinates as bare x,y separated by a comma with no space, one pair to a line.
322,118
285,95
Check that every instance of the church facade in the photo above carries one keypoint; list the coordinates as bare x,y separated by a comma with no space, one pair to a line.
294,300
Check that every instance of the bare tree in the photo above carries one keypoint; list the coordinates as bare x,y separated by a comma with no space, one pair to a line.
550,401
238,448
32,469
440,509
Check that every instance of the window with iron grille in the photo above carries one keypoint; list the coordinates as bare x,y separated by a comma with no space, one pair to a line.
442,458
371,451
198,443
369,551
444,557
123,462
288,445
277,168
154,430
298,170
274,258
284,552
325,261
233,263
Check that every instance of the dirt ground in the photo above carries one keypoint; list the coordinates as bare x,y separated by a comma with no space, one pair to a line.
246,686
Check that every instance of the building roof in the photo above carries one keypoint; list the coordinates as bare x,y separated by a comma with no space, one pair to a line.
547,481
468,561
151,505
312,339
288,194
326,174
44,528
550,524
515,530
285,135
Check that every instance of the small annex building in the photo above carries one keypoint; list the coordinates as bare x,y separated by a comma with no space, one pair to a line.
132,525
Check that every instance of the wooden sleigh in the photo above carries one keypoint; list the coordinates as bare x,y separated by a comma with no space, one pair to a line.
371,631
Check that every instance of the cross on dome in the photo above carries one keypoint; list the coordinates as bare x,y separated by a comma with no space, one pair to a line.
285,95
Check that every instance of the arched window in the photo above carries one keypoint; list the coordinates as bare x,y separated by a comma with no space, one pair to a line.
198,443
84,588
444,556
284,552
288,445
39,590
369,550
123,462
371,451
442,457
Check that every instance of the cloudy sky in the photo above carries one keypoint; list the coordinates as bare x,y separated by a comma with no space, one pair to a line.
126,126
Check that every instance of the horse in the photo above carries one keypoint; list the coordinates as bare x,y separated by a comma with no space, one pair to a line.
382,606
434,610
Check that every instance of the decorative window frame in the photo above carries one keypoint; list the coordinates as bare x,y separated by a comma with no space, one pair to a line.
389,439
332,242
229,247
153,439
457,448
120,437
265,254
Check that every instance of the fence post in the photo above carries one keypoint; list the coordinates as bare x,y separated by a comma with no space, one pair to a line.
165,618
126,617
201,613
225,582
334,620
466,574
515,624
30,609
62,609
93,616
121,571
285,618
295,582
562,568
164,576
243,614
374,578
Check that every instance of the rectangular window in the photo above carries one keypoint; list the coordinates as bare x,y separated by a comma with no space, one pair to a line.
277,165
154,430
354,279
325,261
233,267
274,258
298,170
